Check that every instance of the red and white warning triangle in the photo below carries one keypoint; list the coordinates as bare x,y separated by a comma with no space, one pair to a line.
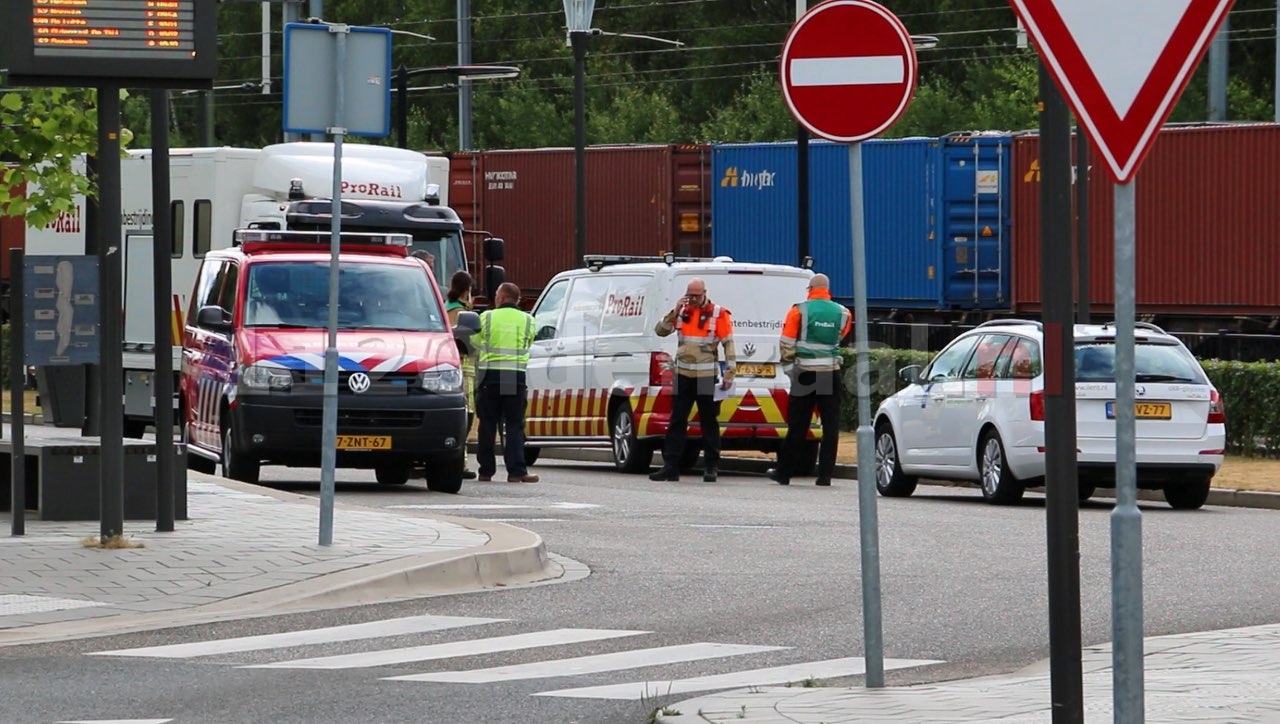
1122,64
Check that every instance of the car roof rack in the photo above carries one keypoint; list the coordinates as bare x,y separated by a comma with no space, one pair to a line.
1011,322
595,262
1139,325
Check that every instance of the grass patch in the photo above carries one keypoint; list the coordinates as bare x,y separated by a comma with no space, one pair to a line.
29,405
115,542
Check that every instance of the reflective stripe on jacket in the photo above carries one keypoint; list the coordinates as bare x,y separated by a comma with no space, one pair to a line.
698,341
812,332
506,333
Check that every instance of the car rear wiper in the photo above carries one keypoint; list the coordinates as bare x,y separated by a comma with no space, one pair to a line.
1152,377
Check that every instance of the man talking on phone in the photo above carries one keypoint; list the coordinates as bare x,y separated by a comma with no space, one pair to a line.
703,328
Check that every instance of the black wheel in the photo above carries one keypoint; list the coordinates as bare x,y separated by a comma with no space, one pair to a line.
234,463
999,486
808,462
890,480
445,475
1188,495
630,454
392,473
1087,490
689,458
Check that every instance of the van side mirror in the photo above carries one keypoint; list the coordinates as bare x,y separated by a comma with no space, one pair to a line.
493,249
910,374
468,324
494,277
213,317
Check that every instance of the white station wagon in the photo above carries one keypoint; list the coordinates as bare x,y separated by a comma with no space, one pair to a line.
976,413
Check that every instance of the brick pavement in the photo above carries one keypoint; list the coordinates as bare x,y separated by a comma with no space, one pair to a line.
239,540
1212,676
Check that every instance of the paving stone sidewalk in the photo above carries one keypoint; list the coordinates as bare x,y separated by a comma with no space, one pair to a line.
1214,676
237,541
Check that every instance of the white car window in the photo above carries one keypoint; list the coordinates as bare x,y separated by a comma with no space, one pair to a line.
950,361
546,316
584,306
1153,362
1019,361
982,365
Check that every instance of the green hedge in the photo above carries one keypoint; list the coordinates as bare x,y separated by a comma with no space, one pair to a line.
1250,393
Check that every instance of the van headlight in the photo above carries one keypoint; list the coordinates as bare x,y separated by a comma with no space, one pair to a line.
447,379
261,377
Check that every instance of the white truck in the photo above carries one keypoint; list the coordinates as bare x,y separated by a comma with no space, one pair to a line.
286,186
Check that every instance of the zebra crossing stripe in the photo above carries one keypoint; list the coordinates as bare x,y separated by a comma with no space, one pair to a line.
589,664
306,637
829,669
475,647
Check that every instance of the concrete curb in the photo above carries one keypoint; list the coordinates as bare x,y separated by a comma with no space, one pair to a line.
513,557
1217,496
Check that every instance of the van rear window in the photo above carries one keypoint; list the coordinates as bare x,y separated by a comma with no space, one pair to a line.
1153,362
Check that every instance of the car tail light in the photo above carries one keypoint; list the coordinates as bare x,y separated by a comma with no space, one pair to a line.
659,369
1217,413
1037,405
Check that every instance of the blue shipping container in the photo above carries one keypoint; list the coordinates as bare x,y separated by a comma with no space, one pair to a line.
937,216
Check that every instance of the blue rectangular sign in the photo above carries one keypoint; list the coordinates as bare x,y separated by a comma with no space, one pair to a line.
311,77
61,310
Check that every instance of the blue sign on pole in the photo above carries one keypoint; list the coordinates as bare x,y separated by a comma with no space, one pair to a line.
310,70
60,303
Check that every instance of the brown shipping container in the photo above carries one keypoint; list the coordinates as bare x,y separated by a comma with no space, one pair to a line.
1208,243
641,200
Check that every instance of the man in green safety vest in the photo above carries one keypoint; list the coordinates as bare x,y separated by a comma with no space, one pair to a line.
810,346
506,333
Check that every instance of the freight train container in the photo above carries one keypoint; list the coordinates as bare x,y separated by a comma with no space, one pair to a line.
641,200
1207,244
13,233
936,218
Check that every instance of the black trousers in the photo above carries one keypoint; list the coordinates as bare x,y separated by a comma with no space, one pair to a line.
688,392
505,402
810,390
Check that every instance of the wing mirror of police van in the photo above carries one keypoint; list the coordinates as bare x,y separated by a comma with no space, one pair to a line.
213,317
494,277
468,324
494,249
910,374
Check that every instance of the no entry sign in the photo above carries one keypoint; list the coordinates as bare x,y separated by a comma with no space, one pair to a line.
848,70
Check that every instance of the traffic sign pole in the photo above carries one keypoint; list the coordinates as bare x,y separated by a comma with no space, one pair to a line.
848,74
1126,518
868,519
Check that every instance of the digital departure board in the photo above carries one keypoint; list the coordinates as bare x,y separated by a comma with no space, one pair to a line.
114,28
166,43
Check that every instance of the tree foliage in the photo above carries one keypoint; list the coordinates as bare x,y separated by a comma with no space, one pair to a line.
43,131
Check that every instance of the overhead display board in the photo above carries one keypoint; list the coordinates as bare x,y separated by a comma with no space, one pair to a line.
138,43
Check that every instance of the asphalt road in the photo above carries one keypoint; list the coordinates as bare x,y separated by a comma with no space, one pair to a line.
740,562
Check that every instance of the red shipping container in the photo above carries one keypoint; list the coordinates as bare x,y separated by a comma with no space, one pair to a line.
641,201
13,234
1206,236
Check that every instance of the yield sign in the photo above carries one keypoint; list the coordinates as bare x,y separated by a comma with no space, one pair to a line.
848,70
1122,65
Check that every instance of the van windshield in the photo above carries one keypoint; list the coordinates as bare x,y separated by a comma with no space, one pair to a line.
1153,362
370,296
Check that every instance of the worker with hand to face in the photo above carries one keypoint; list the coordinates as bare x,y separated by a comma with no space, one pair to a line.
810,347
703,329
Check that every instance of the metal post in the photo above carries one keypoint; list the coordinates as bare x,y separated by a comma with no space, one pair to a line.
111,407
802,176
316,10
868,529
205,118
402,106
92,373
1083,313
1219,60
1126,519
17,378
161,247
579,43
464,84
328,450
1062,502
266,48
291,10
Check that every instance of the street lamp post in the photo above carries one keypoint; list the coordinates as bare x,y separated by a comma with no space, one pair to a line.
578,21
461,72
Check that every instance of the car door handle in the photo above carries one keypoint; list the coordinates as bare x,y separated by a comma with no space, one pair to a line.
612,355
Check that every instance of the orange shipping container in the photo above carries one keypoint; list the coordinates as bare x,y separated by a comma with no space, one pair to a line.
1208,242
641,200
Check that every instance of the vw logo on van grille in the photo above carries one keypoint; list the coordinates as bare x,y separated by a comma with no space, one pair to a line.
359,382
749,349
